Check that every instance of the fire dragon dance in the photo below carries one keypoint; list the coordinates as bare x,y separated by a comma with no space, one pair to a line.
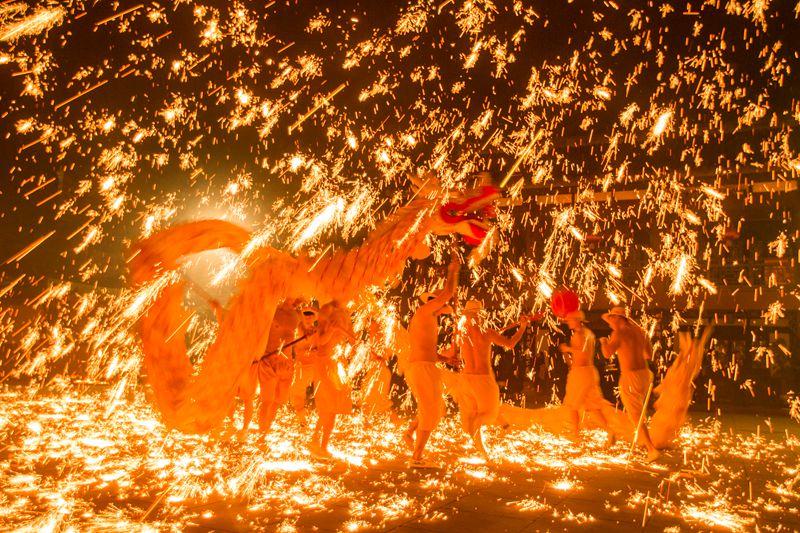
198,402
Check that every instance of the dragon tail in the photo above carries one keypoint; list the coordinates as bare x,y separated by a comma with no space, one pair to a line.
162,327
676,390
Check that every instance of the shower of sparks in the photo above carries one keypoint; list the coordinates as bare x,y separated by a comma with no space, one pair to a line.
680,274
327,215
257,241
37,22
623,142
662,123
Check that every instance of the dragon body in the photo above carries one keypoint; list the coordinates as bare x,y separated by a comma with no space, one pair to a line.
198,401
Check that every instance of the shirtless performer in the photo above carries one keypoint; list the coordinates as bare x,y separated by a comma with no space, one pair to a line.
631,344
583,380
304,354
272,372
422,374
332,397
481,401
275,369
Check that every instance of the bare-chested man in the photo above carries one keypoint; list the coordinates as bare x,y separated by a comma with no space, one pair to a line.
583,380
304,353
633,348
275,369
422,374
272,371
481,398
332,396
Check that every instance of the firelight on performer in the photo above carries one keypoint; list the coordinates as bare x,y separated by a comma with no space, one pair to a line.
360,266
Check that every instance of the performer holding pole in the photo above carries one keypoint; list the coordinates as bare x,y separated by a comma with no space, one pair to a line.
583,380
422,374
305,349
631,344
275,368
332,396
481,395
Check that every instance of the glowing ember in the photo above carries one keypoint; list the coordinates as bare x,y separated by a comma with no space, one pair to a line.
641,155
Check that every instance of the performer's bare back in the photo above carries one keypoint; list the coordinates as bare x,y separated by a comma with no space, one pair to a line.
283,328
581,347
306,349
423,331
476,350
335,326
631,345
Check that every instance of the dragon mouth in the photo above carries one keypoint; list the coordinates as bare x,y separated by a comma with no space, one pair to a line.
470,215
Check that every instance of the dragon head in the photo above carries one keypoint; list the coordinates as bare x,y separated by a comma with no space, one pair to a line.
468,213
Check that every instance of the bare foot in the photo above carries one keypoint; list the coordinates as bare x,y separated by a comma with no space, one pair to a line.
652,456
423,464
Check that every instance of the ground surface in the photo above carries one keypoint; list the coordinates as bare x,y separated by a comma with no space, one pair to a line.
67,460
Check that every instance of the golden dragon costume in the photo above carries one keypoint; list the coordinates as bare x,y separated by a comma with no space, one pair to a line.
198,402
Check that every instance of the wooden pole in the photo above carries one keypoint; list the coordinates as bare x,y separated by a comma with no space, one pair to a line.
641,418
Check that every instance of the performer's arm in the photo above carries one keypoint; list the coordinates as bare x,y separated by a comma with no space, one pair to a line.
508,342
576,342
325,332
609,345
450,286
648,349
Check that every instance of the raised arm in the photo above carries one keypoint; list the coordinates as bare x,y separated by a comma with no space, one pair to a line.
508,342
450,286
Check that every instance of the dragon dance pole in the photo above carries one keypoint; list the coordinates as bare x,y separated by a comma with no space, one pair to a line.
204,294
641,418
533,318
287,345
